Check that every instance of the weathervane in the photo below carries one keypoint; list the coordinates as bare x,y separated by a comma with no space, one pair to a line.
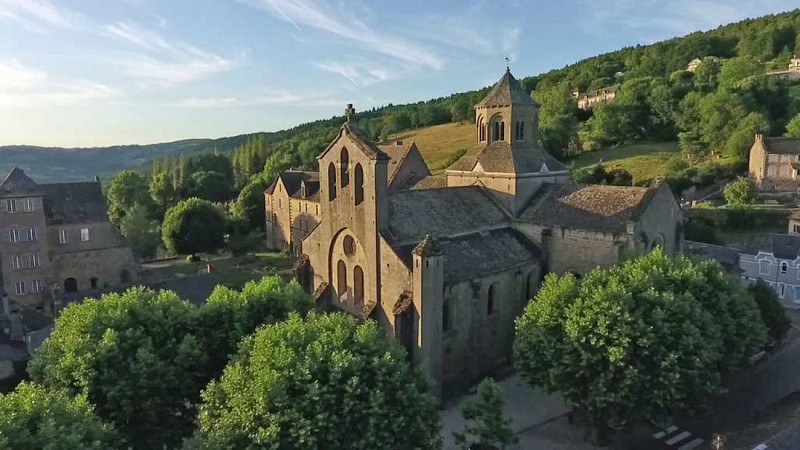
507,61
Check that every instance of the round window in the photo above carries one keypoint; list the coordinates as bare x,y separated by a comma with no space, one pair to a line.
349,246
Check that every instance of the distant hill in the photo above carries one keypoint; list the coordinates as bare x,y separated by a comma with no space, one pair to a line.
51,164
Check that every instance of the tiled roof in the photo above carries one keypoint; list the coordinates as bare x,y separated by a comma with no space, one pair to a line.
597,207
80,202
481,254
500,157
783,246
507,91
782,145
293,181
403,303
432,182
442,212
17,183
397,151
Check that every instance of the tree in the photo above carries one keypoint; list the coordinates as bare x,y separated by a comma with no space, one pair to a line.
461,110
741,139
141,232
640,341
193,226
793,127
558,125
737,69
740,192
32,418
208,185
772,311
250,204
162,191
489,429
135,356
327,381
127,189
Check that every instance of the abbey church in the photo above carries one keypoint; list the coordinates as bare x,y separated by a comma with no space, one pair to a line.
445,264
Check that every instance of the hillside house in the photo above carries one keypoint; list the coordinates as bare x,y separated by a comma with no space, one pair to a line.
775,163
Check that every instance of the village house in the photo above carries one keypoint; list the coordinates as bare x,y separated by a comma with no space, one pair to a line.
774,163
778,264
587,100
694,64
791,73
57,241
447,264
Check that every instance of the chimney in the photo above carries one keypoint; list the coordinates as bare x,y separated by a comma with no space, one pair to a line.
759,137
96,179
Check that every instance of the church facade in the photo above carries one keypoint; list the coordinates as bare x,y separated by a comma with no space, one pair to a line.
445,264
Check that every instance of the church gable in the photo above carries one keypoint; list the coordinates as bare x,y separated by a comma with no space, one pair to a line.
17,183
349,136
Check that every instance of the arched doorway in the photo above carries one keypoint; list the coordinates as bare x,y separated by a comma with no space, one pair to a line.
70,285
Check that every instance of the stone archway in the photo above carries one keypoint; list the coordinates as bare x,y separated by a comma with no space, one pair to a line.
349,272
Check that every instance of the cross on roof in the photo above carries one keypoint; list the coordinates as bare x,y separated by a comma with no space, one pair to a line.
349,112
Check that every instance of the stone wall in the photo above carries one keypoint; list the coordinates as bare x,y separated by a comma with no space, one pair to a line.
661,223
22,220
106,265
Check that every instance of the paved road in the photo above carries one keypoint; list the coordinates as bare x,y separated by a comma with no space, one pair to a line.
751,392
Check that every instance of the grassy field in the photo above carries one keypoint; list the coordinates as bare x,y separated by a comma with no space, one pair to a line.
440,145
645,161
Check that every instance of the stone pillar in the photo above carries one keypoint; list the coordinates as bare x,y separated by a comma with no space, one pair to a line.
428,292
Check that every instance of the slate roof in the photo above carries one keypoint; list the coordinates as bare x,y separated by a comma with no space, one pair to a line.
432,182
782,145
361,141
595,207
441,212
293,181
397,151
507,91
500,157
481,254
783,246
16,183
80,202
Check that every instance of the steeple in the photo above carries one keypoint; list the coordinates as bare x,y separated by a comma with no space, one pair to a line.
507,91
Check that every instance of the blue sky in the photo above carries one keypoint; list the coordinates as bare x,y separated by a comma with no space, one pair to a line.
102,72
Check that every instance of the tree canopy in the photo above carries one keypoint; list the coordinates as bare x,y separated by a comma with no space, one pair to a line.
740,192
33,418
193,225
327,381
639,341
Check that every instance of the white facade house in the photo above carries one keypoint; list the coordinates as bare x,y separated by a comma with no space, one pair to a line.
778,264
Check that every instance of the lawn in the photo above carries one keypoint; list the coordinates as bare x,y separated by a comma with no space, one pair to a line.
232,272
645,161
440,145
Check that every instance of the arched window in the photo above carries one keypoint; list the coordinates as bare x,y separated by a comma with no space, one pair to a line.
331,182
359,186
502,131
341,278
70,285
519,130
784,267
530,286
358,285
481,130
446,315
496,131
349,245
490,301
93,282
344,162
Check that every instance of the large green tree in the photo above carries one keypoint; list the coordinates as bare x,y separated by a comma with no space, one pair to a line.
141,232
640,341
487,428
136,356
327,381
250,203
127,189
193,226
208,185
793,127
772,311
33,418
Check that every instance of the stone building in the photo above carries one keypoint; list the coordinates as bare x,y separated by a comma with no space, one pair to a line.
774,163
57,239
791,73
777,262
446,266
587,100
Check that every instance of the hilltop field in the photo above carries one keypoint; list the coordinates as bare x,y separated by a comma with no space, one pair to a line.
441,145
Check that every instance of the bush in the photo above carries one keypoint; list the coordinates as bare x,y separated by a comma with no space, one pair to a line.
329,381
772,311
193,226
741,192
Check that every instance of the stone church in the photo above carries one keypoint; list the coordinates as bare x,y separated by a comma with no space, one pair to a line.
445,264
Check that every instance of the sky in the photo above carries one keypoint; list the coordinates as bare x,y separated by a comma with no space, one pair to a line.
80,73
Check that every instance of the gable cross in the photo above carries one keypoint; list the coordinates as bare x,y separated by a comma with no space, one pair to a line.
349,112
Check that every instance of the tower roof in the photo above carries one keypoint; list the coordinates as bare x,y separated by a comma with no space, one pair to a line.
507,91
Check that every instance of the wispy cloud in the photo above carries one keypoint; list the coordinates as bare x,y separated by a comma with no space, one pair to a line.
166,62
356,72
25,86
38,15
266,97
306,13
